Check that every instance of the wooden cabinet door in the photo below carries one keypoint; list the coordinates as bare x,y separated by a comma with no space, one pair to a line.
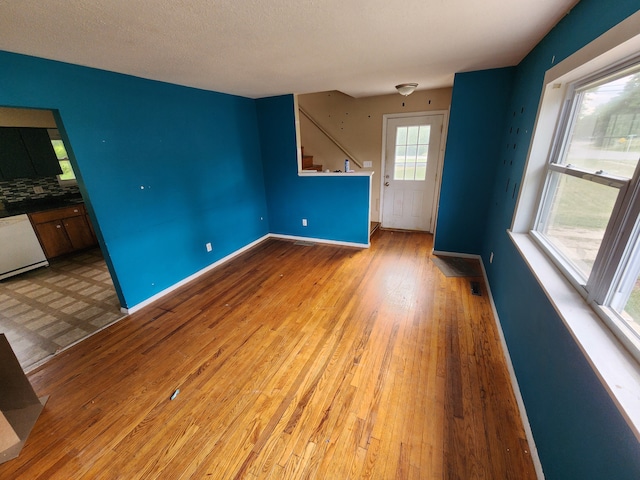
53,238
79,232
93,232
63,230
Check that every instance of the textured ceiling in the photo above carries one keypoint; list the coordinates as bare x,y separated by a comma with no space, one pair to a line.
259,48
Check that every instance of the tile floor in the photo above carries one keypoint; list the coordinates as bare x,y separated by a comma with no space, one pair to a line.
48,309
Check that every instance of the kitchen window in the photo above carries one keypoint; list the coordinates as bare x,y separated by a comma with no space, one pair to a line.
67,177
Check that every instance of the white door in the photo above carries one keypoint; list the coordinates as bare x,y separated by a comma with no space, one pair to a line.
412,150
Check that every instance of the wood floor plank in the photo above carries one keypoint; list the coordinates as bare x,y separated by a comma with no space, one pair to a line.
292,361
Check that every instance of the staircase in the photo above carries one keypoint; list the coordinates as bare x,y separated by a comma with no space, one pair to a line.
307,163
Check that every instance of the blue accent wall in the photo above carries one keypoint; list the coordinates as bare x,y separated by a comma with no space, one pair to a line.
336,207
473,145
578,430
164,168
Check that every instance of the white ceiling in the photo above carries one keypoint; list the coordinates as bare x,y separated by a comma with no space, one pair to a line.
259,48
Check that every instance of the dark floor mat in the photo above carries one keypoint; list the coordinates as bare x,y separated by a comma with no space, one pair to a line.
457,266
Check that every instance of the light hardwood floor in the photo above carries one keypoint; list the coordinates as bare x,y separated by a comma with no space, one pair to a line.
292,362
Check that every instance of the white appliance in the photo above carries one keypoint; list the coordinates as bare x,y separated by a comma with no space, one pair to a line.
20,250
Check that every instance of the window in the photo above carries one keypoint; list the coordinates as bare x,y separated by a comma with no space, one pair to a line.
576,219
67,177
412,149
589,209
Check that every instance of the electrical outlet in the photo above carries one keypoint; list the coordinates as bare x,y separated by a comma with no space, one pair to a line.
491,258
304,222
209,246
368,164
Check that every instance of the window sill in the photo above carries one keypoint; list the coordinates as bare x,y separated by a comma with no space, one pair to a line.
613,364
313,173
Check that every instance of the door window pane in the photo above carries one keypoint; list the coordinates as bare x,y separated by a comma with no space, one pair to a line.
401,138
410,171
412,135
412,148
423,137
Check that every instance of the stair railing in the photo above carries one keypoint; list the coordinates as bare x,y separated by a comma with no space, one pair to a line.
330,137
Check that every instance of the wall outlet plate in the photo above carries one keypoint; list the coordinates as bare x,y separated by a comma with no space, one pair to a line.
209,246
304,222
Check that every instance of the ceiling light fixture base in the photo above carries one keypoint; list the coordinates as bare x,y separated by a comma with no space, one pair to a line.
406,88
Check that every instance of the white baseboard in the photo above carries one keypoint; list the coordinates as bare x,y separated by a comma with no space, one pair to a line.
319,240
440,253
514,381
184,281
512,374
232,255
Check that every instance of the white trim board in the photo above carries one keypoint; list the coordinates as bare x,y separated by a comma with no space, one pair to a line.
319,240
514,382
441,253
512,374
313,173
229,257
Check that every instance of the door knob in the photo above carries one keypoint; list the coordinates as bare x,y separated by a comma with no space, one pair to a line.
386,184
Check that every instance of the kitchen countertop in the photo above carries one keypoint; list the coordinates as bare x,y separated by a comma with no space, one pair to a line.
39,205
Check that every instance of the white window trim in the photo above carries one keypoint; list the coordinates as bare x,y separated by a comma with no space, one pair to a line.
614,365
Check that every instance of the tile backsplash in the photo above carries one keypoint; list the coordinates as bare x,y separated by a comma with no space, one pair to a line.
21,189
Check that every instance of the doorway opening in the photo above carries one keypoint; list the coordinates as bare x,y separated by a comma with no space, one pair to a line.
45,309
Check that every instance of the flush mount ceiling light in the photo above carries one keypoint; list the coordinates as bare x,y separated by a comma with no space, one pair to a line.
406,88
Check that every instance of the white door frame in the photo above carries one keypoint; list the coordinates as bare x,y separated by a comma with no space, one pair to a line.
440,159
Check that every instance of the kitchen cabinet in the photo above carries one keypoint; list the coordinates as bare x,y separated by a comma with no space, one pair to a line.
63,230
41,152
14,157
27,153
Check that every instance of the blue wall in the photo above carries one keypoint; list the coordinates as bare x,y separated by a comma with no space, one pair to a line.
164,169
336,207
473,146
196,153
578,430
